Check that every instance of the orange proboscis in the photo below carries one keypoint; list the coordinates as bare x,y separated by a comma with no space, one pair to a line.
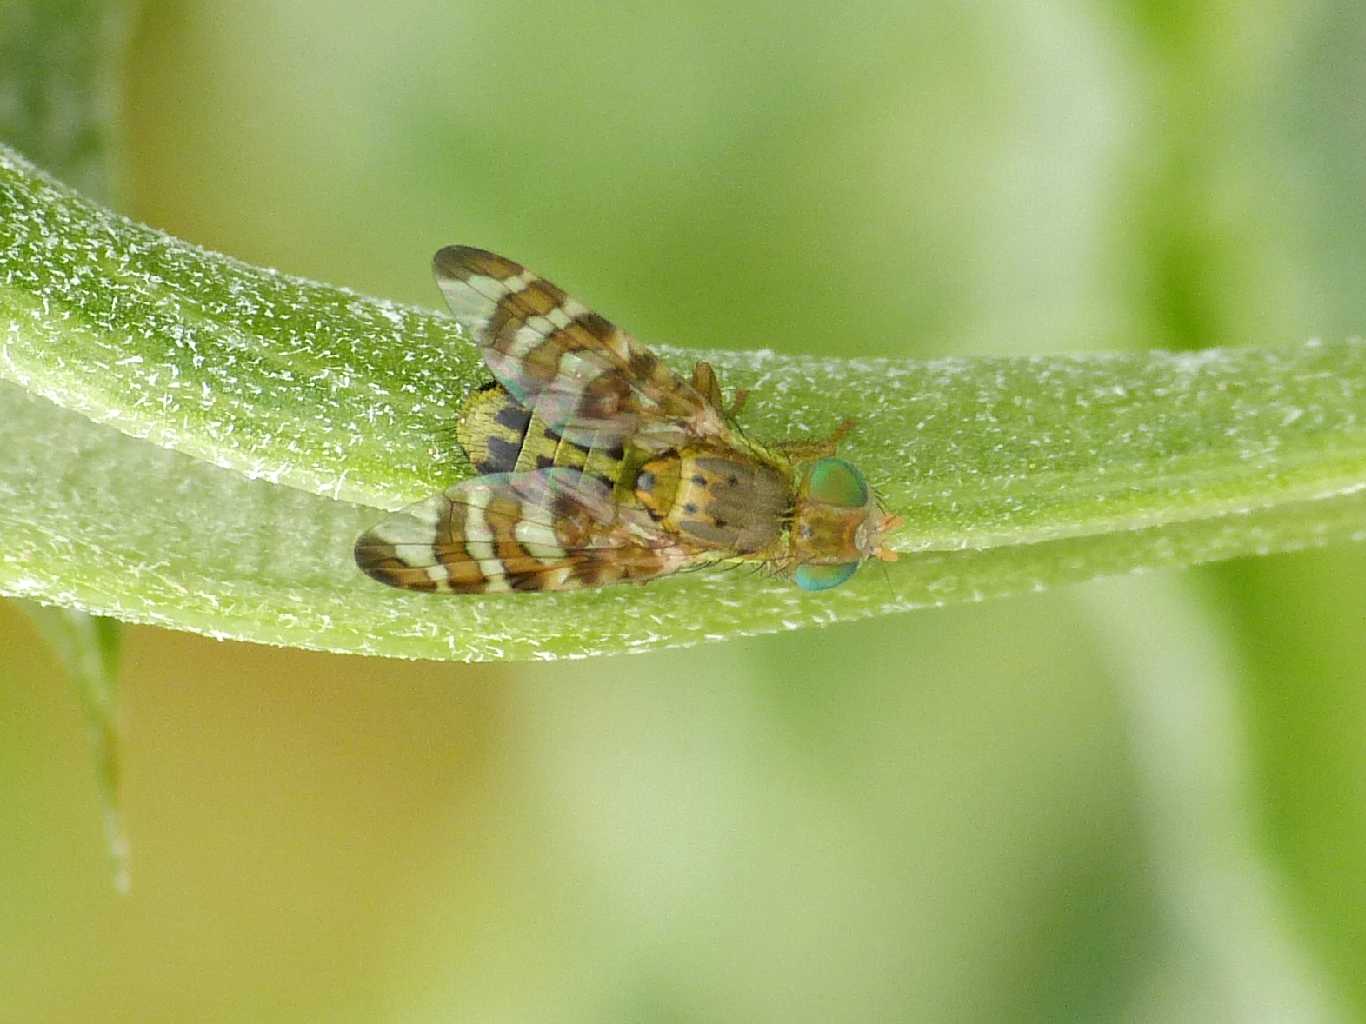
889,523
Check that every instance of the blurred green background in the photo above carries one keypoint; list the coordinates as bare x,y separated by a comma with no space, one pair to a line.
1137,800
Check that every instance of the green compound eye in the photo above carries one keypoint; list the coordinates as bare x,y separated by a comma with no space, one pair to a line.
833,481
823,577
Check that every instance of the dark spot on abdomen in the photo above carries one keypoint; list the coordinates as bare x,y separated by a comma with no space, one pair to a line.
513,417
502,456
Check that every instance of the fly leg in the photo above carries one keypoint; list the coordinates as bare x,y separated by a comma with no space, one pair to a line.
805,451
704,380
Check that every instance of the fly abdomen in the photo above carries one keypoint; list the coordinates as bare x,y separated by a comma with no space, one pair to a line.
499,435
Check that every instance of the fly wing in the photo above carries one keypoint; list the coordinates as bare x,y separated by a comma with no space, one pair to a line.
582,375
550,529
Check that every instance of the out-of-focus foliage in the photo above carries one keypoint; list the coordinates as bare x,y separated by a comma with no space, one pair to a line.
61,85
1131,800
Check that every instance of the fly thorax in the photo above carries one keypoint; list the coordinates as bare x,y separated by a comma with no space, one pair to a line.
718,499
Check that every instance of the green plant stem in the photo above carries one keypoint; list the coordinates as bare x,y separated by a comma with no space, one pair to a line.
1011,473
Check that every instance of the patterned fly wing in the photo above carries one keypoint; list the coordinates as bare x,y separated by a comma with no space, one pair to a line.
550,529
582,375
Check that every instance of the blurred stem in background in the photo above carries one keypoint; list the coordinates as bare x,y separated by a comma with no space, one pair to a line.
1248,227
88,647
61,64
1227,924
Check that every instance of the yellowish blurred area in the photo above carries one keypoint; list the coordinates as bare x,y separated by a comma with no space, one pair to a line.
1134,800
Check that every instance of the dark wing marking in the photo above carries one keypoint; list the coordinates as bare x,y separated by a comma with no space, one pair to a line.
550,529
580,373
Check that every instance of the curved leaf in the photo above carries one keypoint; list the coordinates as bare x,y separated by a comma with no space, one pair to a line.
1012,473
